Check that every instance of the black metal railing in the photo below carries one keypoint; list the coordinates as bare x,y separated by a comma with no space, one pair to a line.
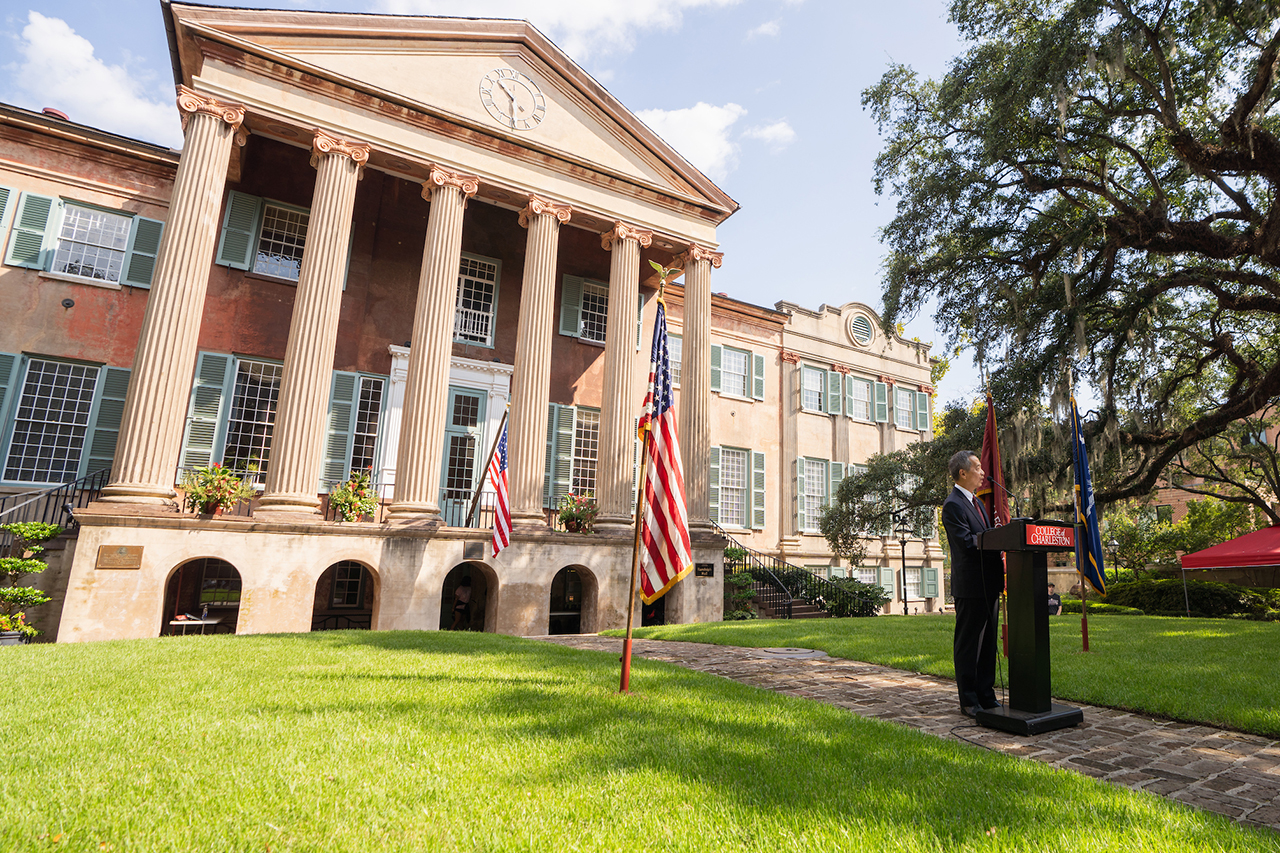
771,591
54,505
779,584
342,622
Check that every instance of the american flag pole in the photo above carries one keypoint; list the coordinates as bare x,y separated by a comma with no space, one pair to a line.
646,429
493,448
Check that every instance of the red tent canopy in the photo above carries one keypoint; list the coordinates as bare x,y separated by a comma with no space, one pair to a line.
1259,548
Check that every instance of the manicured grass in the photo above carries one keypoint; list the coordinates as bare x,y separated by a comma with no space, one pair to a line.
435,741
1218,671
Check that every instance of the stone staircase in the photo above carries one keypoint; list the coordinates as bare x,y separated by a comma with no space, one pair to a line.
800,609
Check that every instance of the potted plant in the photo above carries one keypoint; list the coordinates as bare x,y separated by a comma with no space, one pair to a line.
355,498
22,560
213,488
578,512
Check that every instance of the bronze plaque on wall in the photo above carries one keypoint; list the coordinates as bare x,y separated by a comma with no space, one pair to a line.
473,550
704,570
119,557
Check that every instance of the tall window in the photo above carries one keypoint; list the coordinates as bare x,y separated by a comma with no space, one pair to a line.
861,397
366,432
815,492
675,348
347,581
734,372
51,422
477,290
91,243
253,417
586,450
595,311
461,459
904,408
811,389
733,487
913,583
868,575
284,233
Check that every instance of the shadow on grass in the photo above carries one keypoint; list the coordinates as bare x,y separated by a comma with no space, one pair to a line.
785,759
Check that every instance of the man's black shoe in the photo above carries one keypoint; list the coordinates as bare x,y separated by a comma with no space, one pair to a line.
992,706
970,711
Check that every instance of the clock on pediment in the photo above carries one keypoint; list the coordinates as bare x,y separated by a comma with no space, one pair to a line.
513,99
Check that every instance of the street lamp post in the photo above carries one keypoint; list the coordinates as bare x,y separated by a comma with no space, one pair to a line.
903,529
1114,547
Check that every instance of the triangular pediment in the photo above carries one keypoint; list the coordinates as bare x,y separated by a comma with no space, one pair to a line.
499,77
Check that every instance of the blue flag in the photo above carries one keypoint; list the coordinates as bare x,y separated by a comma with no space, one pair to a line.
1089,548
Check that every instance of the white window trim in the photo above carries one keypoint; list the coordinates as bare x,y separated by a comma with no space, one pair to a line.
745,488
822,496
822,389
747,377
493,308
257,240
871,401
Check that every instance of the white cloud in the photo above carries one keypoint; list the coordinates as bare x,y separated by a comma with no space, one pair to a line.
701,134
768,29
58,69
777,135
581,29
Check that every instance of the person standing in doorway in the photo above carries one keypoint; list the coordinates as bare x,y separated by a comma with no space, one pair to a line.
462,604
977,579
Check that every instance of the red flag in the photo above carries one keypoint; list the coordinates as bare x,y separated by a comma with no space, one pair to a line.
498,479
665,551
994,497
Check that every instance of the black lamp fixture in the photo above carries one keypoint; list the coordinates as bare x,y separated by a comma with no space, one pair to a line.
1113,548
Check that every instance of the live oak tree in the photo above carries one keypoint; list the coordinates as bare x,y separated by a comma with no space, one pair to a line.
1092,188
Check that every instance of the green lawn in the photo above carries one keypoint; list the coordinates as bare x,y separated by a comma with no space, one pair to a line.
436,741
1219,671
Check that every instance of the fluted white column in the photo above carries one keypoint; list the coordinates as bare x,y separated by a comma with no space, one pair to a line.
531,384
298,438
155,408
619,404
426,398
694,414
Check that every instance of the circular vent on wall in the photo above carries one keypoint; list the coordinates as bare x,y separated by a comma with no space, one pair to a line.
860,329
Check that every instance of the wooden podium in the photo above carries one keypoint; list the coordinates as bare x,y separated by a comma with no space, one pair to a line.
1025,543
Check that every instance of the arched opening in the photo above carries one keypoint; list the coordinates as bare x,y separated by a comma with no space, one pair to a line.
572,607
202,596
478,611
346,597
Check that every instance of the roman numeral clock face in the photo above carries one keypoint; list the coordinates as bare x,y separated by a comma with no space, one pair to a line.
513,99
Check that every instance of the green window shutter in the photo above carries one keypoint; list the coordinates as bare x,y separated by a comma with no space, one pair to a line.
140,257
717,356
922,410
571,307
848,395
757,377
239,231
344,398
5,195
835,384
640,322
32,224
799,494
713,482
8,367
757,491
549,468
888,581
104,422
881,403
215,375
930,582
563,478
836,472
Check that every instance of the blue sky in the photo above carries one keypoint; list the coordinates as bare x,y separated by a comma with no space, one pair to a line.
763,95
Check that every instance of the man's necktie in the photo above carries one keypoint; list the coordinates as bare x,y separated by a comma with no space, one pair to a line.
977,504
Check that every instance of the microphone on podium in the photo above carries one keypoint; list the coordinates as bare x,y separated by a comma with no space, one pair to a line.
1008,494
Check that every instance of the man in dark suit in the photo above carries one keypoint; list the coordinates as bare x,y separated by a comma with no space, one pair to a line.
977,579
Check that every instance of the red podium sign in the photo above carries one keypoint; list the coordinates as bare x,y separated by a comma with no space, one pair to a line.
1043,534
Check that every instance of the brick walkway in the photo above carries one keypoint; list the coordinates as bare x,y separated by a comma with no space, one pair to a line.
1232,774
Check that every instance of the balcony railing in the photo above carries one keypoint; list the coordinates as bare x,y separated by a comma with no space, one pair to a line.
474,326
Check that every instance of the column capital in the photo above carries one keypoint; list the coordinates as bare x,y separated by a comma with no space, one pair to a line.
539,206
840,368
190,102
623,231
790,357
440,177
326,143
698,253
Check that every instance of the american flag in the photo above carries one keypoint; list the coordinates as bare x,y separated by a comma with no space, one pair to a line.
498,479
665,553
